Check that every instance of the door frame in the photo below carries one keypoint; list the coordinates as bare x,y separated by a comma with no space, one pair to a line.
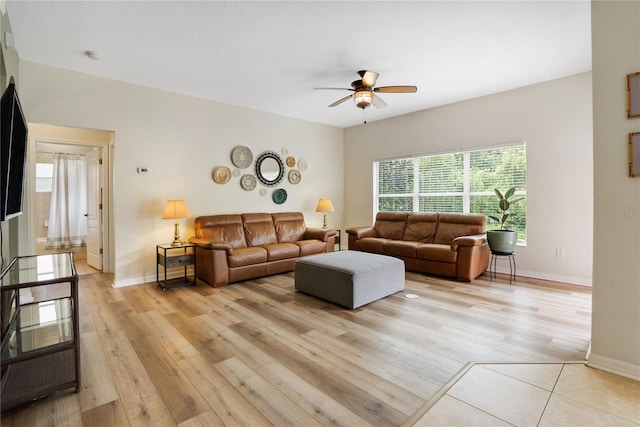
83,137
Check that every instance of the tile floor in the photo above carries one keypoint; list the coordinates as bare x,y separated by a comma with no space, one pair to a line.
548,394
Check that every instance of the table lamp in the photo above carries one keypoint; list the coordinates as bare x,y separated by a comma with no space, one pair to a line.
324,205
176,209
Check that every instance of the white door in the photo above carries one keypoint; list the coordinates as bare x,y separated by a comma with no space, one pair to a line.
94,208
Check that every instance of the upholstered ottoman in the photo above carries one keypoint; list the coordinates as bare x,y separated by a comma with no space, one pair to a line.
349,278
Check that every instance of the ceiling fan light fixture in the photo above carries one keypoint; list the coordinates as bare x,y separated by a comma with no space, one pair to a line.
363,98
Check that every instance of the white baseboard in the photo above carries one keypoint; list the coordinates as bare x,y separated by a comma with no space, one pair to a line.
131,281
614,366
546,276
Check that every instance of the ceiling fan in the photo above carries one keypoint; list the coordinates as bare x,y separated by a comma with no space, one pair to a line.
363,91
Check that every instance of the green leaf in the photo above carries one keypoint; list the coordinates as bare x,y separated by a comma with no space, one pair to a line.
498,193
494,218
504,204
509,193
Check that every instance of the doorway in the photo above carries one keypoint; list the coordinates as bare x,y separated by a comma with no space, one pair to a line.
89,214
48,158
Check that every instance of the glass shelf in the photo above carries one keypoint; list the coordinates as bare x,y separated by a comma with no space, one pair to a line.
37,270
39,326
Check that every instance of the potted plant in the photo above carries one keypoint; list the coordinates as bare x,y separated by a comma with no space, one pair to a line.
503,240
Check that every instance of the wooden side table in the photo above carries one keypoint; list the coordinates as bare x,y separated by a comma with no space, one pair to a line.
169,256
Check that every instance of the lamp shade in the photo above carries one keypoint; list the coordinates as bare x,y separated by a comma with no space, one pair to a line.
324,205
175,209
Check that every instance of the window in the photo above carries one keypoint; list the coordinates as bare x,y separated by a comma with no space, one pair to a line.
44,177
454,182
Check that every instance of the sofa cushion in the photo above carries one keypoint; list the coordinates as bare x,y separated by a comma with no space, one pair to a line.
310,247
451,226
247,256
280,251
401,248
221,228
435,252
421,227
375,245
259,229
290,226
390,225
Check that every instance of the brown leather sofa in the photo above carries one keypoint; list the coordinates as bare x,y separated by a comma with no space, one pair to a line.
443,244
231,248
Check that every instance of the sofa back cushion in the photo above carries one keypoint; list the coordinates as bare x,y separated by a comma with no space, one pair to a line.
289,226
227,228
421,227
452,225
259,229
390,225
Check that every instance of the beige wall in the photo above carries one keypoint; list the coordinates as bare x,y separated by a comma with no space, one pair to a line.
616,271
553,118
180,139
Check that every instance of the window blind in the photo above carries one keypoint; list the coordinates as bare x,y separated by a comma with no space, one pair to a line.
461,182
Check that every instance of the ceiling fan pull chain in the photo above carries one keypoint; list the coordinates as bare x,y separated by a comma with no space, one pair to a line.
364,115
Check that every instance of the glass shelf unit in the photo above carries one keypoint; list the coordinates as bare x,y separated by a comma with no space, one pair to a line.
40,348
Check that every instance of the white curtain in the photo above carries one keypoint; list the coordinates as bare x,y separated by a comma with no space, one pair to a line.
67,223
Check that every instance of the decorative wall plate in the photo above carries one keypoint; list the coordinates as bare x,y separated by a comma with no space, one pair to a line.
284,151
221,174
291,161
236,172
294,176
279,196
248,182
302,165
263,192
241,156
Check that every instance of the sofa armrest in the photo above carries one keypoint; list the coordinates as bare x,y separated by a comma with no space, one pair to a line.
474,240
319,234
212,245
360,232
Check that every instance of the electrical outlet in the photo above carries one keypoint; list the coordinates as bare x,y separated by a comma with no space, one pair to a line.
560,252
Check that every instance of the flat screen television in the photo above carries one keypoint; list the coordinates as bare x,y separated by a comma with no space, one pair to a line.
13,153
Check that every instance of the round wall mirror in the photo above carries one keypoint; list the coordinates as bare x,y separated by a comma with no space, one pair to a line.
269,168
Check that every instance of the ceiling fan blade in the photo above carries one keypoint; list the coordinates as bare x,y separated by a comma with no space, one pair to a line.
378,102
340,101
396,89
332,88
369,78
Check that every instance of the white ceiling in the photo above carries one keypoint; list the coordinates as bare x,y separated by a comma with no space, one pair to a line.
269,56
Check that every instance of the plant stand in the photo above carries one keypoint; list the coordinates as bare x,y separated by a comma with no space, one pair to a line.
512,264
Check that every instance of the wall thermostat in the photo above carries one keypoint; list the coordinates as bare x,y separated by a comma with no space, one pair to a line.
143,171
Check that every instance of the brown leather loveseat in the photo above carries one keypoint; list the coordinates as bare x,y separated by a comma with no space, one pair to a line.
444,244
231,248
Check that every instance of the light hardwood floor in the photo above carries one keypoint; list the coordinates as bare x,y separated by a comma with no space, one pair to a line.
260,353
